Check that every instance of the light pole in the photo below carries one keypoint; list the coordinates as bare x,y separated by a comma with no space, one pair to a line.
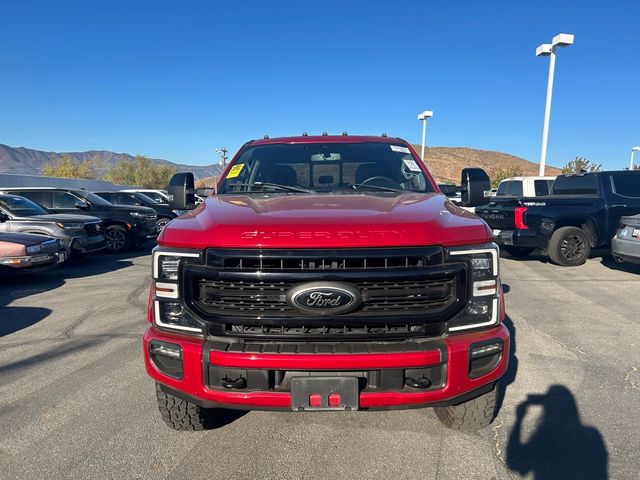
549,50
423,116
633,152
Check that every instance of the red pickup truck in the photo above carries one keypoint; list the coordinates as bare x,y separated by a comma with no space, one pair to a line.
326,273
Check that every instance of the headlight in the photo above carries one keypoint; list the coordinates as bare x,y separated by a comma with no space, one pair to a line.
136,214
34,249
70,225
169,313
483,306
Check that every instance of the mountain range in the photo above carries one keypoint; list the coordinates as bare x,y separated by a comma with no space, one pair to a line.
445,163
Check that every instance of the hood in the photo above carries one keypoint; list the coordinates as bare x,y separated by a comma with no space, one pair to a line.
63,217
24,239
322,221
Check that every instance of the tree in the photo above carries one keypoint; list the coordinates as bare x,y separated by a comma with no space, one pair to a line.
67,167
581,164
501,173
140,172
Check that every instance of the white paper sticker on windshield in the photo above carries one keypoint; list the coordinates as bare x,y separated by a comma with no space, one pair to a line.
411,164
398,148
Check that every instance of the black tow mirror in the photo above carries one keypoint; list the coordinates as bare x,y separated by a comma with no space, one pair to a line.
182,191
474,182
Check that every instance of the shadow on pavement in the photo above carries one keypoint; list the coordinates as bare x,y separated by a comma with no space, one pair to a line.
609,262
13,319
560,447
510,376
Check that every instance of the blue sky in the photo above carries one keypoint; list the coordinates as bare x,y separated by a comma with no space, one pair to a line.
176,79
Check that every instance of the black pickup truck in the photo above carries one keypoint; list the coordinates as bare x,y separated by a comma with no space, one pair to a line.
581,212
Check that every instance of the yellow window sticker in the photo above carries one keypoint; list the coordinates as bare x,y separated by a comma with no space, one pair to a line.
235,170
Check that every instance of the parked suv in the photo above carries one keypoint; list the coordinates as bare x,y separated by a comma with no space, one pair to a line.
163,210
158,196
326,273
79,233
124,226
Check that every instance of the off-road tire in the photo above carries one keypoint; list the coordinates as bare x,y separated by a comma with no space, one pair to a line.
569,246
471,415
181,414
517,252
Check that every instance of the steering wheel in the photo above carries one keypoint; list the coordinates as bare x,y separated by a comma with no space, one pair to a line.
382,182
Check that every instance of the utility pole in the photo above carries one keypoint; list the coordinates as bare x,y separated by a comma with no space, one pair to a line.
223,152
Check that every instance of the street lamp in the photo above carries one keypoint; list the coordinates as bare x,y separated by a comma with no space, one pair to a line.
423,116
549,50
633,152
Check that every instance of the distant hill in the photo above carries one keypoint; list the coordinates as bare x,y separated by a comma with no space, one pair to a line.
445,163
27,161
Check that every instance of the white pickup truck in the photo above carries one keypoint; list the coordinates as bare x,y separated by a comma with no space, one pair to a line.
525,187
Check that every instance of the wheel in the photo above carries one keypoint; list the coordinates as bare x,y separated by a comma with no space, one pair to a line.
519,252
181,414
471,415
569,246
118,238
161,222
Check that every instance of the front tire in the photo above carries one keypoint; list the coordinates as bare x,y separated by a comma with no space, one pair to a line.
161,222
471,415
118,239
180,414
569,247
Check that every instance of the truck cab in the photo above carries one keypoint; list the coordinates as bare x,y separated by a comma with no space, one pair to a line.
326,273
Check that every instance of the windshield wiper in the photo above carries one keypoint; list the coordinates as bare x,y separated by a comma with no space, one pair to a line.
286,188
377,187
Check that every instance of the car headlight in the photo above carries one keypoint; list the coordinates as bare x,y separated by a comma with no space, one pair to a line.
483,306
70,225
136,214
34,249
169,312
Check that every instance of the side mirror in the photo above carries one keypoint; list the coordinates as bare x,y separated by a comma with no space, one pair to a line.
474,182
182,191
3,217
81,204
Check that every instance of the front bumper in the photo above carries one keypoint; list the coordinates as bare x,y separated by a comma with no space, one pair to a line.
33,262
626,250
520,238
450,353
86,244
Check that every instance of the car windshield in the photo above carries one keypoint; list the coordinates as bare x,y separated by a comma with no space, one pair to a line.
326,168
148,201
20,206
93,198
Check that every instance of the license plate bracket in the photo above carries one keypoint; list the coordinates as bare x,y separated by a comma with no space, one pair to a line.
305,389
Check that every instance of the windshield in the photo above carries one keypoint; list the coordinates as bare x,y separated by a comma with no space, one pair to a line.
20,206
93,198
148,201
326,168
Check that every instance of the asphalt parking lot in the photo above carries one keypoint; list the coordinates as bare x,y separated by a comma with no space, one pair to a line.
75,401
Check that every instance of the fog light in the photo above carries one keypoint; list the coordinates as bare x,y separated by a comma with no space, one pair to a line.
166,358
485,350
478,309
484,358
166,351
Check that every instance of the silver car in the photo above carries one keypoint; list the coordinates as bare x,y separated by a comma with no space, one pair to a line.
625,246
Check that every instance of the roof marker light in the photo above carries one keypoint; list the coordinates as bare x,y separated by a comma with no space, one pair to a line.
266,137
324,134
305,134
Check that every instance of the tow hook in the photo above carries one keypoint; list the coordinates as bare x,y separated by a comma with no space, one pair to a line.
236,383
422,382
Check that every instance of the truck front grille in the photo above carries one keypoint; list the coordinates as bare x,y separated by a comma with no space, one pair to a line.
240,297
406,292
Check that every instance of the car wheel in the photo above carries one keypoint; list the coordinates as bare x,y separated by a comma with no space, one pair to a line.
518,252
569,246
181,414
471,415
117,238
161,223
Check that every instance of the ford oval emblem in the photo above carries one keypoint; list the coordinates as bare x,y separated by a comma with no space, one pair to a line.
324,298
